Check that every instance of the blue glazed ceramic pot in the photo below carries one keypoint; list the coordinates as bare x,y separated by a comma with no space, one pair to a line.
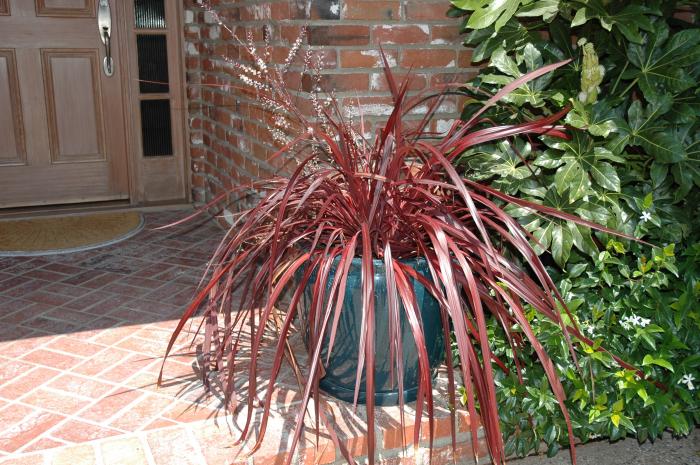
341,371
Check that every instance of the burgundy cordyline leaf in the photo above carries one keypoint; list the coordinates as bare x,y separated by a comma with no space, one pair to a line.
283,268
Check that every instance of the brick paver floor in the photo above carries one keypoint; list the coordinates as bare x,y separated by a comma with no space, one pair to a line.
81,342
81,336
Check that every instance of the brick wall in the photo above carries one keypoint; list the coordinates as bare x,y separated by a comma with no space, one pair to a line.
229,142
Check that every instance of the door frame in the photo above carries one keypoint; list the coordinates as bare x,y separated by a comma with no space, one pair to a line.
141,168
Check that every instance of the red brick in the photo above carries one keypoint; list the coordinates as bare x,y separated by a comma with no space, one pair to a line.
314,9
465,59
400,460
48,298
290,33
428,58
326,58
44,274
219,446
395,34
366,58
192,34
393,437
185,412
101,361
351,429
372,10
80,431
137,416
31,426
13,414
75,346
56,402
338,35
462,453
379,83
109,405
423,10
26,313
21,347
368,106
338,82
685,14
85,387
440,79
100,281
62,268
13,369
281,11
21,385
43,444
445,34
51,359
311,452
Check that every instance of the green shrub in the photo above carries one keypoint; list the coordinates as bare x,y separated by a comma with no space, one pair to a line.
632,165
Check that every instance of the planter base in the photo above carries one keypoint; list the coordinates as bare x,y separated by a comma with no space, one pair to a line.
341,365
380,398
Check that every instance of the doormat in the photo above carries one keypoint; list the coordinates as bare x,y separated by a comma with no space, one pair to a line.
66,234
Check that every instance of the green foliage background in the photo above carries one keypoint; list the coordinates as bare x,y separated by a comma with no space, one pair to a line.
632,165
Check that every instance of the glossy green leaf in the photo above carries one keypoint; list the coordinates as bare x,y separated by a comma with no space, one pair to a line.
562,241
606,176
489,13
651,360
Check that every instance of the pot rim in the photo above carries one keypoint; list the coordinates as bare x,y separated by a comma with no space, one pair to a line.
380,261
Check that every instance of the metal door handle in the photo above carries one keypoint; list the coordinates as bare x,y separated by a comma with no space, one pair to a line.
104,23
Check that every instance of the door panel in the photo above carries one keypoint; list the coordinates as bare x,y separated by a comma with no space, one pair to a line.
11,126
69,8
73,95
68,116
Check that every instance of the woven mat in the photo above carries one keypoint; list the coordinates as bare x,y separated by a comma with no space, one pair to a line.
64,234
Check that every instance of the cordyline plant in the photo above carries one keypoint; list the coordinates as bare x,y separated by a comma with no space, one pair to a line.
392,198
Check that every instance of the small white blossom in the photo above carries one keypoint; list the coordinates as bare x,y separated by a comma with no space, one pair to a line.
646,216
688,381
628,322
261,64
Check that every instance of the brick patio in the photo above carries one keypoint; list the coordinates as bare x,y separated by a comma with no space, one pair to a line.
81,341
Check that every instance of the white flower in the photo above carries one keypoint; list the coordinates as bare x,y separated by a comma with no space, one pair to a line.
628,322
646,216
688,381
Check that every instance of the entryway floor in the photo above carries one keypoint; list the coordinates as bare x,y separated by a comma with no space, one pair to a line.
82,337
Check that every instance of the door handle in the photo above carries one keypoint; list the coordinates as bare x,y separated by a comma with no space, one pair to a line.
104,23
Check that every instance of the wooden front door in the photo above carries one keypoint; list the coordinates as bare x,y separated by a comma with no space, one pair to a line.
62,130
